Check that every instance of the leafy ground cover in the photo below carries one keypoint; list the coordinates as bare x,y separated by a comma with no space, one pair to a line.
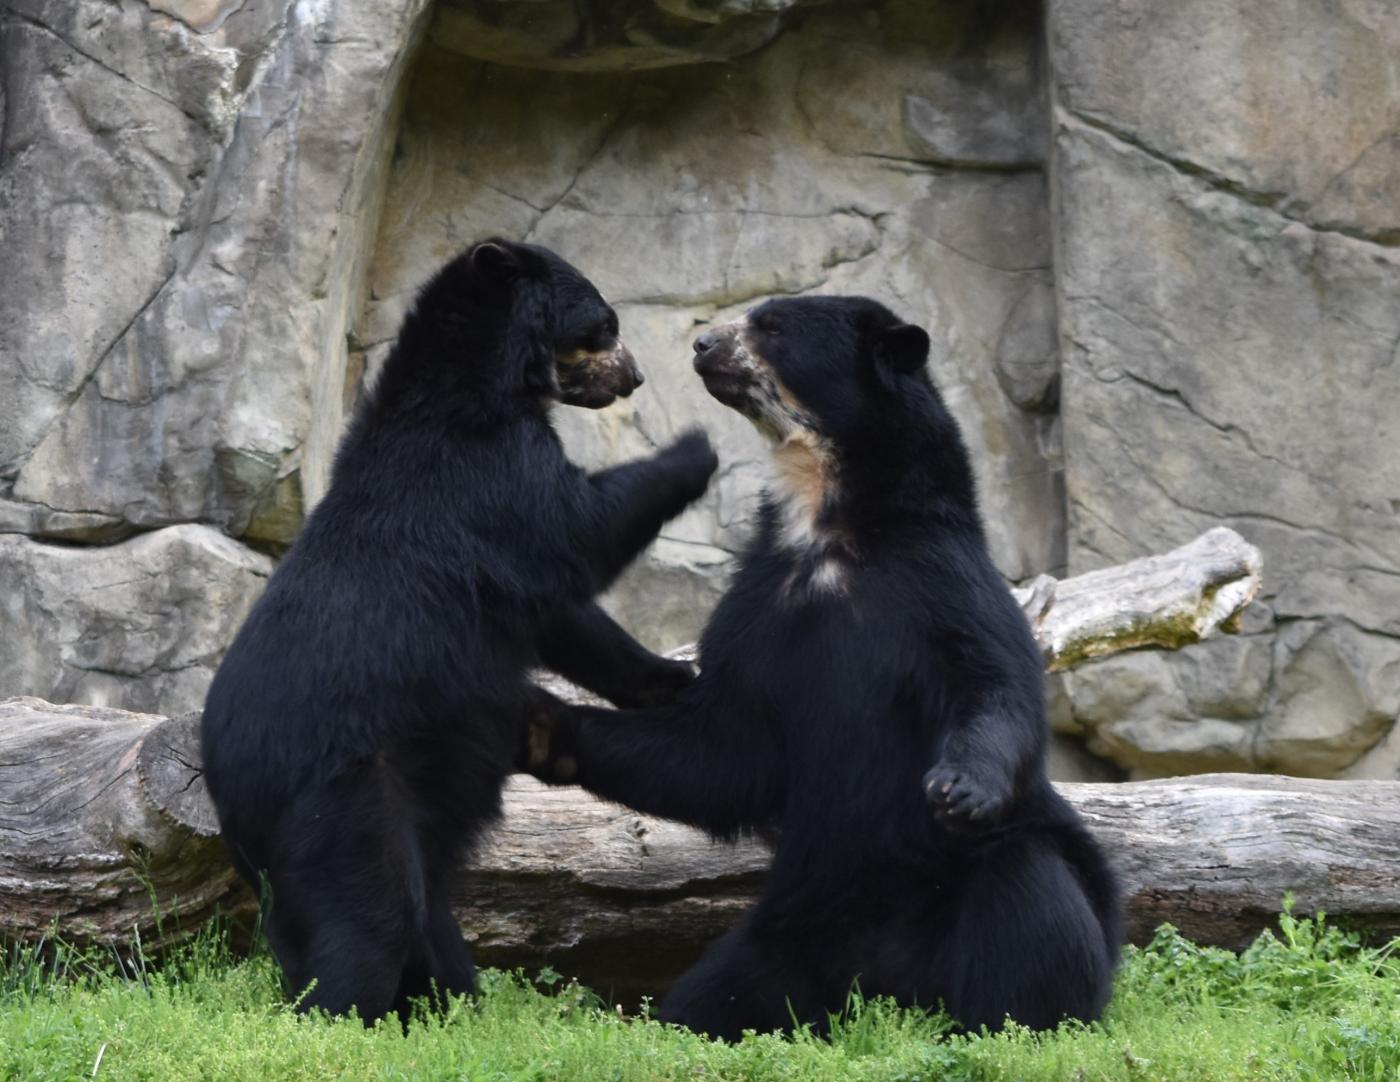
1308,1003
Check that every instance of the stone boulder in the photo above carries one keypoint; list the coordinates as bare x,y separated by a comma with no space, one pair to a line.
142,623
616,35
188,189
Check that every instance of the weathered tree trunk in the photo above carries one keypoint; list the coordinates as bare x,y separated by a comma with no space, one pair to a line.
105,827
105,813
629,900
104,823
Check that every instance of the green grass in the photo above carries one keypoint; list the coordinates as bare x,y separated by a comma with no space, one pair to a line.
1311,1003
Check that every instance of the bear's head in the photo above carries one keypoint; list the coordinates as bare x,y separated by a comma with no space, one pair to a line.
563,332
839,385
816,365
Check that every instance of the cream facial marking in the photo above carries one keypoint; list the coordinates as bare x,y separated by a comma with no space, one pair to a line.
753,388
595,377
591,360
804,463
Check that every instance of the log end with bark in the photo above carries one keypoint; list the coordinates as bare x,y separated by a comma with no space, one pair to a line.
105,826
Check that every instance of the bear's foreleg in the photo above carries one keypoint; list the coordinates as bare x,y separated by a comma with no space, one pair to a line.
991,749
689,761
584,644
633,501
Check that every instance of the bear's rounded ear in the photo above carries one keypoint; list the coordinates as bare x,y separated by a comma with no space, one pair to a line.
495,259
904,347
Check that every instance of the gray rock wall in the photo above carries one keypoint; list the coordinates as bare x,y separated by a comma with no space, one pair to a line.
214,213
1227,215
142,622
892,153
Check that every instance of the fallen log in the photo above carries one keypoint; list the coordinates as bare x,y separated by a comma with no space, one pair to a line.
106,831
105,826
105,814
627,900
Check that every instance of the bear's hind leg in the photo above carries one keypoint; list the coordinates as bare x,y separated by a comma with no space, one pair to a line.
442,963
452,969
337,950
742,983
1024,942
351,968
347,907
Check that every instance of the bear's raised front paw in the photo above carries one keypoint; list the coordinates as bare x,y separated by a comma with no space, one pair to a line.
966,799
693,459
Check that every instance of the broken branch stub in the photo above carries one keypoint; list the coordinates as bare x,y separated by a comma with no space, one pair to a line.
1167,601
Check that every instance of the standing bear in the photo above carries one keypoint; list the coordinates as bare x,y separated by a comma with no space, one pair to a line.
358,732
871,696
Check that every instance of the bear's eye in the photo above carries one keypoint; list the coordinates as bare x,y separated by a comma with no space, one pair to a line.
597,338
768,325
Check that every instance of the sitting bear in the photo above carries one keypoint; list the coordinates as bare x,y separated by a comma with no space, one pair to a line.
870,697
357,734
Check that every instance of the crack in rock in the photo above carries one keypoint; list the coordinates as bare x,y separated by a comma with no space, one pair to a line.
1271,201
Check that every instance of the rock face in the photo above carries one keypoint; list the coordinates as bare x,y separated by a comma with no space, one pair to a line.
619,35
823,164
181,232
1228,210
213,214
142,623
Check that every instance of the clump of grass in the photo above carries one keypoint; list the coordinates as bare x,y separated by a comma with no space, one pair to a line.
1309,965
1311,1002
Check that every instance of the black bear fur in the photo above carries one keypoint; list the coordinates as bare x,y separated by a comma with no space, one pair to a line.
871,699
358,731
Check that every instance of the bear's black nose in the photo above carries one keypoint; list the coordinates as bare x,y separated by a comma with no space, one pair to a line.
706,341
